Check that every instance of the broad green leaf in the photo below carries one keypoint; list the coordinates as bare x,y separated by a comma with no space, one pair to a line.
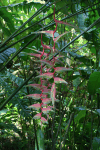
93,50
60,4
40,139
4,2
80,115
5,30
8,18
94,82
96,143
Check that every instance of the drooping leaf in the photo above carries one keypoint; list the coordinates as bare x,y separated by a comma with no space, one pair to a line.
8,18
96,143
40,138
94,82
80,115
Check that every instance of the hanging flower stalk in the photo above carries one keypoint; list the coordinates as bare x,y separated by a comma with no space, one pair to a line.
47,95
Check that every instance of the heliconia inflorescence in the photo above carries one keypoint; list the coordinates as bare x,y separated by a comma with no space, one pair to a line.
45,73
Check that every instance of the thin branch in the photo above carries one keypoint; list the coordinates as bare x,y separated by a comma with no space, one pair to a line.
70,120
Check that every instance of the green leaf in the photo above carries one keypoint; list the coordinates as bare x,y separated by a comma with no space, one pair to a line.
80,115
8,18
5,54
61,4
15,79
96,143
76,82
94,82
98,111
81,18
81,58
11,127
23,56
93,50
40,138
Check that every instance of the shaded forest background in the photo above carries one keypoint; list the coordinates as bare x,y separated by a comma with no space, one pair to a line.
74,121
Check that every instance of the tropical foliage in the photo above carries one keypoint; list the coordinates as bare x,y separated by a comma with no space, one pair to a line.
49,74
